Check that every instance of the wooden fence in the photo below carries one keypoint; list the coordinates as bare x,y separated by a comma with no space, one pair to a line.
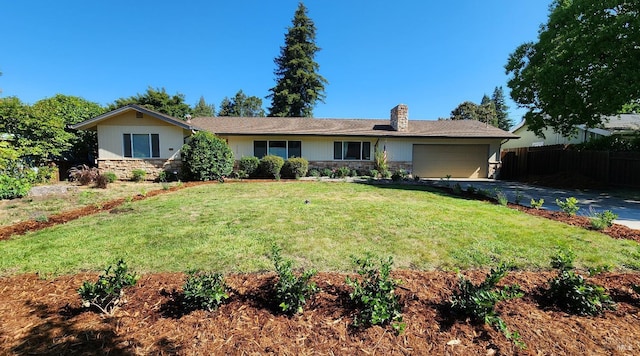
615,168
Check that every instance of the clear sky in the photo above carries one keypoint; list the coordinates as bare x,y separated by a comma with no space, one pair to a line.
430,55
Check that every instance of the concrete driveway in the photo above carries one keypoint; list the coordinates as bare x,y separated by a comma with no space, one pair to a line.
627,208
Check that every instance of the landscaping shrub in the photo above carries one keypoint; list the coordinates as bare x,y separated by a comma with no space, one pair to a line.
399,175
517,196
249,165
270,166
83,174
206,157
138,175
102,181
12,188
603,220
381,164
295,167
204,290
457,189
291,291
478,301
571,293
569,205
314,173
501,198
341,172
110,176
375,296
108,292
373,173
326,172
537,204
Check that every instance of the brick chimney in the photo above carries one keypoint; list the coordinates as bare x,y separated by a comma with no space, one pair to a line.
400,118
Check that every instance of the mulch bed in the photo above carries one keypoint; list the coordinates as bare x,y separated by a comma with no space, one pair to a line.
40,316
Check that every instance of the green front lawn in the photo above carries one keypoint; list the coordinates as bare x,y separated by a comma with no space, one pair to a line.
231,227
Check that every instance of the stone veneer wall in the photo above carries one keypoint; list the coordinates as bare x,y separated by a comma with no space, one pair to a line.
359,165
399,120
123,167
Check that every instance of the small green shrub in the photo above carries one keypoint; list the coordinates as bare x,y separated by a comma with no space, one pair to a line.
537,204
270,166
42,218
83,174
353,173
295,167
517,197
326,172
399,175
471,189
249,164
457,189
111,177
138,175
571,293
501,198
603,220
569,205
12,188
206,157
107,293
341,172
478,301
291,291
204,290
375,296
314,173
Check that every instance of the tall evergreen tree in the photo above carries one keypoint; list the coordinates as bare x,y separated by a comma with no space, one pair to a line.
487,111
298,84
502,113
202,109
241,105
158,100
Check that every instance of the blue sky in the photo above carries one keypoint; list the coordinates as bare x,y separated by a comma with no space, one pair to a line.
430,55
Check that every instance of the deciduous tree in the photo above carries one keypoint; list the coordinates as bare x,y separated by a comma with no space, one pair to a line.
583,67
299,86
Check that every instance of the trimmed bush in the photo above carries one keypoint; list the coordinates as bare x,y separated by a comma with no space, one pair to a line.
106,294
295,167
110,177
206,157
326,172
249,165
204,290
342,172
291,291
138,175
270,166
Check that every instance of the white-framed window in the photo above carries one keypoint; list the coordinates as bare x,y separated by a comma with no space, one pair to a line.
284,149
352,150
141,145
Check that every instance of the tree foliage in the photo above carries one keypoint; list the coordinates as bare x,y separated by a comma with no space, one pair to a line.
206,157
241,105
584,65
40,131
299,86
158,100
202,109
485,112
502,113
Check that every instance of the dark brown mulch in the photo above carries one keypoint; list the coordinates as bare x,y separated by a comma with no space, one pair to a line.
45,317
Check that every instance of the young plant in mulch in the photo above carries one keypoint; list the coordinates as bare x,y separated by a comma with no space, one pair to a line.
569,205
602,220
537,204
107,293
375,296
478,301
571,293
291,291
204,290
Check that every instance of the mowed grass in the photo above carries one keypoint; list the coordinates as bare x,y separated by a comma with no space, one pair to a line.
231,228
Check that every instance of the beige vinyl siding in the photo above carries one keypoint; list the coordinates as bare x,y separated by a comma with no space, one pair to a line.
528,138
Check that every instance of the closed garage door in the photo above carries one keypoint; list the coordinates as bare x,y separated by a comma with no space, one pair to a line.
459,161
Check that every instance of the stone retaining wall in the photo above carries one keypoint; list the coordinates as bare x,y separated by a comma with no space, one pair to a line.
123,167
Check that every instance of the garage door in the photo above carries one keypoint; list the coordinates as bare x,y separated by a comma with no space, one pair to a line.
459,161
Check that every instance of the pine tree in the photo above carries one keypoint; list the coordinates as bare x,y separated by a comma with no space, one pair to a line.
504,122
202,109
487,111
241,105
298,84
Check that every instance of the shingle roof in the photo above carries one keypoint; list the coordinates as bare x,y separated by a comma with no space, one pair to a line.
346,127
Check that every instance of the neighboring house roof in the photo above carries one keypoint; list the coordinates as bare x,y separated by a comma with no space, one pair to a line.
611,124
346,127
91,123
